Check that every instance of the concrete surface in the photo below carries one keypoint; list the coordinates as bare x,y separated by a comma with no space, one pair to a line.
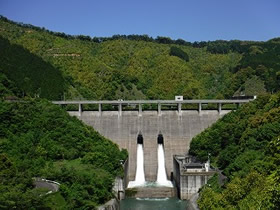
177,131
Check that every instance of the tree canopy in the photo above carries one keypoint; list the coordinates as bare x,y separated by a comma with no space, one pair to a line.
245,145
39,139
134,66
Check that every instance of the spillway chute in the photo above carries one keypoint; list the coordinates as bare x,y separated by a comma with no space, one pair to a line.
161,173
140,175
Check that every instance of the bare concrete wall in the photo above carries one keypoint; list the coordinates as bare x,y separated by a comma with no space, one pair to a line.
190,184
177,132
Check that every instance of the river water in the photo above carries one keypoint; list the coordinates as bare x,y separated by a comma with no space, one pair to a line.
153,204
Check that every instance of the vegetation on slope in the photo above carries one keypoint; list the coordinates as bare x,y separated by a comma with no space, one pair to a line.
245,145
33,76
7,87
137,67
38,139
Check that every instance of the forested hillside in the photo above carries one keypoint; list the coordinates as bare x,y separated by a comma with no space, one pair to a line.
246,145
33,76
138,66
39,139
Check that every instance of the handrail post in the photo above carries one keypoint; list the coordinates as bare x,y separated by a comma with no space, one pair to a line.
199,108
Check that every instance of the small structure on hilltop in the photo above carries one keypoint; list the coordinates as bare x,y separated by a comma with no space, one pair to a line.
190,175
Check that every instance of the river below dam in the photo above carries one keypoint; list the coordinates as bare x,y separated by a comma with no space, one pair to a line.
153,204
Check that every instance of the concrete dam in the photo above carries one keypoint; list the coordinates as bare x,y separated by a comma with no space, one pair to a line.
176,127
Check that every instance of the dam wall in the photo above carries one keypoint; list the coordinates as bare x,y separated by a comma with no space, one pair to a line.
177,129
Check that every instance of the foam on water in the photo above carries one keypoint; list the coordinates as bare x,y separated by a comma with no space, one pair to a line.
152,199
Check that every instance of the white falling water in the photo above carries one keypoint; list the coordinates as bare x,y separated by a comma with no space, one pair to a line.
161,174
140,176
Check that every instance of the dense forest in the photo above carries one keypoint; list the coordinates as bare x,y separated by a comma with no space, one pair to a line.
39,139
137,66
246,145
33,76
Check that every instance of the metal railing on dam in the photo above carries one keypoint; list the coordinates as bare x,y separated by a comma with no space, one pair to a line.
159,103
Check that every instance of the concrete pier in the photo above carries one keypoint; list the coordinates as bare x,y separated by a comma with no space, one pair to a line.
159,109
219,108
80,109
180,109
100,109
140,110
120,110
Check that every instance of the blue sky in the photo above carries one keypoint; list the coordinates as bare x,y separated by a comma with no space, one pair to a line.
191,20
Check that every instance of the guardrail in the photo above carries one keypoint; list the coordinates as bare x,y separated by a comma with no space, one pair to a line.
159,103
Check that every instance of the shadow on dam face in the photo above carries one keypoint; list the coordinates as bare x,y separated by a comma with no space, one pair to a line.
178,130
